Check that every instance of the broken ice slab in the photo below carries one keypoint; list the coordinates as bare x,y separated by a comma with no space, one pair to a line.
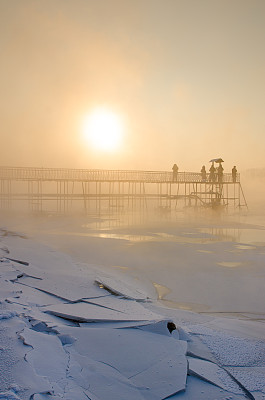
98,380
31,296
52,321
117,304
28,380
214,374
159,327
114,324
252,378
163,378
197,389
47,356
127,287
17,376
86,312
154,363
68,288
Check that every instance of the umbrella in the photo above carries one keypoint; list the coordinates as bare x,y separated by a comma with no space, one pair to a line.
218,160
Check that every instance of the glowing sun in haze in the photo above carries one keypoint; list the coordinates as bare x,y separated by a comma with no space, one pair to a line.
103,129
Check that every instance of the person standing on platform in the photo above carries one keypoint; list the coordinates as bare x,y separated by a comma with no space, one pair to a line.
234,172
220,173
203,173
212,173
175,170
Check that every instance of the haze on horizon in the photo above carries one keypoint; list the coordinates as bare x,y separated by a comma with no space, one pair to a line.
186,78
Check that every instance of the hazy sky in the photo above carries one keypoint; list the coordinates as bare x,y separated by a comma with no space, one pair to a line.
185,76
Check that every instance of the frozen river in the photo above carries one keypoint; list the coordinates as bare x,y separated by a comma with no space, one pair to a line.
200,263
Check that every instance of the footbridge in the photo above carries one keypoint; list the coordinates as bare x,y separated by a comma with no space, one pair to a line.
63,190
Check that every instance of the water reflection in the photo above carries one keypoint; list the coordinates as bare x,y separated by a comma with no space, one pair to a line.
247,238
242,235
229,264
152,237
128,237
120,267
245,247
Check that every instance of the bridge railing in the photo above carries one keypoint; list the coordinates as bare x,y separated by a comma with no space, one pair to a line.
98,175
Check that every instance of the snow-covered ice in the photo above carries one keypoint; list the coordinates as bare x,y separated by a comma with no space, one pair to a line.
77,330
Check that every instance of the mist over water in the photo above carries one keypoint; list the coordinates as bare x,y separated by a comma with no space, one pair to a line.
197,260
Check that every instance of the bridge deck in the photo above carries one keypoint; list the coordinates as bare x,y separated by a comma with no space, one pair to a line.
98,175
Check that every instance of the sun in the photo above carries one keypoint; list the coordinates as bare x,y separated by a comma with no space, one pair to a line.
103,129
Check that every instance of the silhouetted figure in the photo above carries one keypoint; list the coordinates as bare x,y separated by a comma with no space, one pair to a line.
171,326
175,170
220,173
203,173
234,172
212,173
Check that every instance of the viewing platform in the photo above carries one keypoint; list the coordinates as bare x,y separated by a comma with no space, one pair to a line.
99,175
57,189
